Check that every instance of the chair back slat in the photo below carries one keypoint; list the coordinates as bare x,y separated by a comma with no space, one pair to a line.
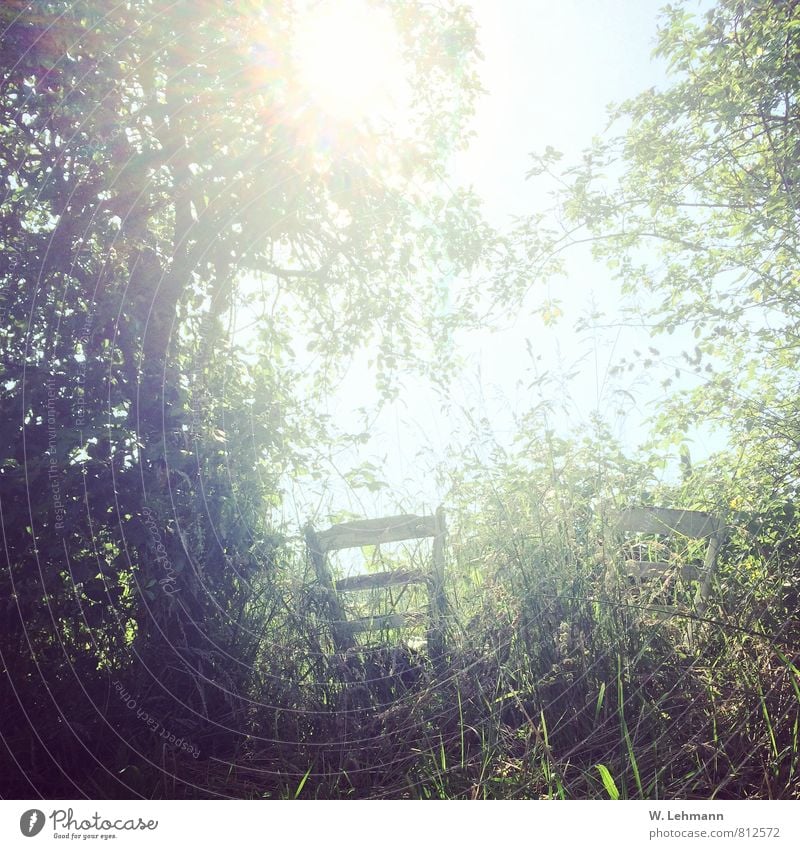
695,524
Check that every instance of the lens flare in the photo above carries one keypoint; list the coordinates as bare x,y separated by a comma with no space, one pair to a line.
349,61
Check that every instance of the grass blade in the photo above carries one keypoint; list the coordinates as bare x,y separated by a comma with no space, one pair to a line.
608,781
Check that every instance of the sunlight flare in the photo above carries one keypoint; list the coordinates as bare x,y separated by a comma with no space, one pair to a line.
349,61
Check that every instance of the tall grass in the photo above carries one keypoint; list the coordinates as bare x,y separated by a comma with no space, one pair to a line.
562,679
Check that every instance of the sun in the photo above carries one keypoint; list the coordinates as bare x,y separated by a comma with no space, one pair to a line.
349,61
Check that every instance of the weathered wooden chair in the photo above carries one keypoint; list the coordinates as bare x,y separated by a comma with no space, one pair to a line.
374,532
665,522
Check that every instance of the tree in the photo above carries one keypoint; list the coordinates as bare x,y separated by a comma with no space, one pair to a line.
694,206
161,167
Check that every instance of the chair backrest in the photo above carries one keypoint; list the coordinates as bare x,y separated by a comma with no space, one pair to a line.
693,524
374,532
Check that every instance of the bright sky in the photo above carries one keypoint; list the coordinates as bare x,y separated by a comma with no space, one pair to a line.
550,69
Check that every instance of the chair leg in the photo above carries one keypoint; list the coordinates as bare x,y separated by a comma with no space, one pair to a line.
709,567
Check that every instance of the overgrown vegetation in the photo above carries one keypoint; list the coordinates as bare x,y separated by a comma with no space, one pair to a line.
162,634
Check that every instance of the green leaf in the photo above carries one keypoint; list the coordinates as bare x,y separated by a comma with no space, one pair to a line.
302,783
608,781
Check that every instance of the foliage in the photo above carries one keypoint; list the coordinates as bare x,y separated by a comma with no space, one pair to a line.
693,204
164,182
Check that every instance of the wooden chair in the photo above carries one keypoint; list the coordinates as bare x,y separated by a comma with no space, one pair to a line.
693,524
374,532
